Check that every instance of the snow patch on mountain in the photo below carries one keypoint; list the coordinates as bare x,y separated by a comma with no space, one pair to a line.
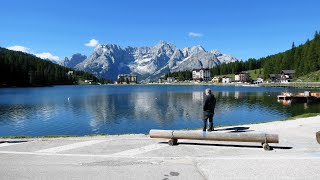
148,63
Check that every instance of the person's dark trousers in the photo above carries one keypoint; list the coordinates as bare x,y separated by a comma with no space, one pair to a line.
207,115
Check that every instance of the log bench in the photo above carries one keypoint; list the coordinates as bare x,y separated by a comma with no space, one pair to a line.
174,135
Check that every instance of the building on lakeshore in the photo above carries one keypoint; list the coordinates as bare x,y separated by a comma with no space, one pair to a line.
202,74
70,73
171,79
226,79
274,77
216,79
259,80
242,77
88,81
160,80
127,79
286,76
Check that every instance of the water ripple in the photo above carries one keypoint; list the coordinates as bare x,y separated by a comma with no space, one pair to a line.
81,110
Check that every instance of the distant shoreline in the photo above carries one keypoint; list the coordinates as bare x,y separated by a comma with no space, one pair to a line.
270,85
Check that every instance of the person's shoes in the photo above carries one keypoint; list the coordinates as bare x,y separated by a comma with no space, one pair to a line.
209,130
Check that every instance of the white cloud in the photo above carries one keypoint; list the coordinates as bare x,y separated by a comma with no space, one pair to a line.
46,55
92,43
193,34
18,48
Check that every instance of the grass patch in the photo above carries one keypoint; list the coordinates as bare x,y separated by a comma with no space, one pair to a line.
15,137
254,74
311,77
55,136
302,116
49,136
230,75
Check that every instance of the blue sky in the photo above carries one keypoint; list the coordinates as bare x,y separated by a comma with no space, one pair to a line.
242,28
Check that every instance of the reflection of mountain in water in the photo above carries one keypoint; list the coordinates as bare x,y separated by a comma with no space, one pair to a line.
161,108
134,109
175,109
101,109
167,108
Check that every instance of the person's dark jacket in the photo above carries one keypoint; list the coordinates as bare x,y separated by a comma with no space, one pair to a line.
209,103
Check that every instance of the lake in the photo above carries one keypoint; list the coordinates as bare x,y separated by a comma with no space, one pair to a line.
111,109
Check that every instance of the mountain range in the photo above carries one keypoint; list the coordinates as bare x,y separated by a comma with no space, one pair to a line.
148,63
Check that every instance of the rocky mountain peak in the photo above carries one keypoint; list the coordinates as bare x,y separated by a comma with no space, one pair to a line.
107,47
73,61
197,49
216,52
164,43
148,63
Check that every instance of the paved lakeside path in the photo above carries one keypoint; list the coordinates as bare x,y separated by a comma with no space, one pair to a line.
137,156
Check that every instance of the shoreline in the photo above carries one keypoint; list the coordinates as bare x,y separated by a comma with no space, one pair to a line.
298,117
142,157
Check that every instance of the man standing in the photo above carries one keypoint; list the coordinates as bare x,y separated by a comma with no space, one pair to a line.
208,110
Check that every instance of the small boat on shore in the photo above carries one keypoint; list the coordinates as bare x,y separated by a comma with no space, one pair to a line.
306,97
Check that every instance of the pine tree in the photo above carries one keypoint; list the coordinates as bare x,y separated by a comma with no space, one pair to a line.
22,69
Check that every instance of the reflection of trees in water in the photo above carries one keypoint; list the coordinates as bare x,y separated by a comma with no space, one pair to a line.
252,100
16,113
22,113
32,119
266,102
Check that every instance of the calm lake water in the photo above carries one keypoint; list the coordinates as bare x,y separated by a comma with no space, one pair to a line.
82,110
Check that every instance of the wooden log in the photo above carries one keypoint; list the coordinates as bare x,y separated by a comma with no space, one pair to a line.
318,136
215,136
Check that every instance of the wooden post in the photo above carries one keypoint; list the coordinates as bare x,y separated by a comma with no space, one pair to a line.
318,136
215,136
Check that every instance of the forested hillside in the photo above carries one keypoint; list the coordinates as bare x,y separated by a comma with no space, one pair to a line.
23,70
303,59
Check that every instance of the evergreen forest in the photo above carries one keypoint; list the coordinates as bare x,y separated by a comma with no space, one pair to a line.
18,69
